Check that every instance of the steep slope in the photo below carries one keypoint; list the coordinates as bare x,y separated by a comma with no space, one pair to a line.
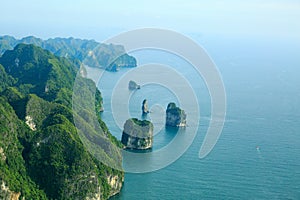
13,173
53,162
5,79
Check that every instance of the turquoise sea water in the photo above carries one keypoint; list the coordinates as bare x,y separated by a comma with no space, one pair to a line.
257,155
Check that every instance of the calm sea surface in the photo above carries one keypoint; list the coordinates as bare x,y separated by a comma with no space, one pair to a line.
258,153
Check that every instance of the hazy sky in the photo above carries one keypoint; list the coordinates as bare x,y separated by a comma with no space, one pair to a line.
98,19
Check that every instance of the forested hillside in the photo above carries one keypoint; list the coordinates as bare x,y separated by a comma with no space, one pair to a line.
41,153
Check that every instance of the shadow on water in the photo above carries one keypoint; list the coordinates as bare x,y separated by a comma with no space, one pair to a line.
171,131
139,150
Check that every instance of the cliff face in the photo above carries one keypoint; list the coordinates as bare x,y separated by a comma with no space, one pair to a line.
137,134
115,182
7,194
119,61
175,116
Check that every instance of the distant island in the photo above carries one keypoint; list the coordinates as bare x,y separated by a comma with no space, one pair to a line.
132,85
89,52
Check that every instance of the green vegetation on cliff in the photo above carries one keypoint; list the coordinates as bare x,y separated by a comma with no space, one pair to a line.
12,164
42,155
